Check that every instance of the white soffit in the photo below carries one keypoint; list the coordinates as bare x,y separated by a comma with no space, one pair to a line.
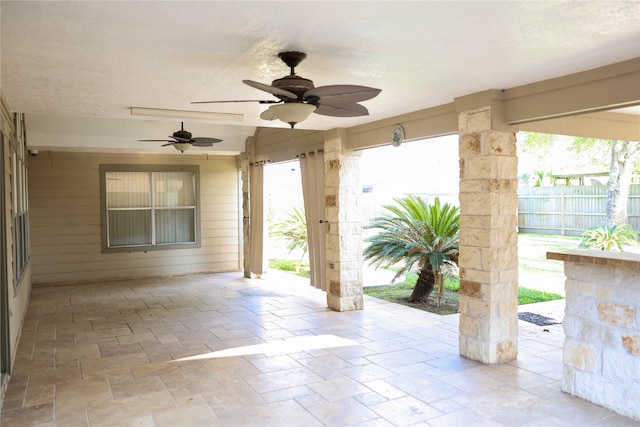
95,60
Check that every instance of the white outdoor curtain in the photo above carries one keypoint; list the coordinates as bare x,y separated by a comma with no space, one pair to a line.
256,206
312,172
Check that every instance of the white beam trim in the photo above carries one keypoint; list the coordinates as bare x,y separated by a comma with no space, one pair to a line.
427,123
625,127
606,88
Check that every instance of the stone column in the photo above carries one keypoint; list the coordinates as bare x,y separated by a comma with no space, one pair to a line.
246,226
344,216
601,354
488,238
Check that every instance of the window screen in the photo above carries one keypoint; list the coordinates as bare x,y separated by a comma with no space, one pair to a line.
153,207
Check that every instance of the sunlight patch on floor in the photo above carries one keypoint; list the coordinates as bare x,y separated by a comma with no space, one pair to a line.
311,342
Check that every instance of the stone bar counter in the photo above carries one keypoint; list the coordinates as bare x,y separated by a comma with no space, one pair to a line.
601,353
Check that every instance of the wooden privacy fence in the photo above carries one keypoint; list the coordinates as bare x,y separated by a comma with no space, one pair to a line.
569,210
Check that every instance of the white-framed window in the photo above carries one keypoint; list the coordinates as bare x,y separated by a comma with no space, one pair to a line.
149,207
22,249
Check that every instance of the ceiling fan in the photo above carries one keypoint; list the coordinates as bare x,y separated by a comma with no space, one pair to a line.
298,97
182,140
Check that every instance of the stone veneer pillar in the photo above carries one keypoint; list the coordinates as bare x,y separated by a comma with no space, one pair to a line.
246,211
246,231
344,217
601,354
488,238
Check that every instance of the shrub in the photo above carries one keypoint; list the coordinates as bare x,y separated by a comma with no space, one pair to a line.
609,238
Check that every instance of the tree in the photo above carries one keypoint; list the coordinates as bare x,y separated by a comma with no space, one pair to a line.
620,157
612,238
535,150
413,233
293,229
623,158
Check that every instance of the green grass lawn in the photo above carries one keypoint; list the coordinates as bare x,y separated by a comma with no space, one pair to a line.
535,271
400,293
530,296
532,250
540,279
290,266
403,290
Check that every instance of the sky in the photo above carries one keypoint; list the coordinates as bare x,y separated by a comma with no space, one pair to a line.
427,167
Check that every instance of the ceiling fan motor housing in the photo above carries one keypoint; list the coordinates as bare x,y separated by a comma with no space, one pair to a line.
292,83
182,135
296,84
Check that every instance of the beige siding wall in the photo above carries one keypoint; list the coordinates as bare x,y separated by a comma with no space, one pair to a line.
18,290
64,194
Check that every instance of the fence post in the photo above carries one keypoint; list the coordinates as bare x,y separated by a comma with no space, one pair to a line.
562,213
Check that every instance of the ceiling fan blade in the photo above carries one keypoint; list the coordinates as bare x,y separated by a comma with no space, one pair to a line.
169,143
259,101
204,141
280,93
341,94
182,140
342,110
268,114
154,140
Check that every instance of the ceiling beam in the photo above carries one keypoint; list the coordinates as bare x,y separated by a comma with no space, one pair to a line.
427,123
605,88
625,127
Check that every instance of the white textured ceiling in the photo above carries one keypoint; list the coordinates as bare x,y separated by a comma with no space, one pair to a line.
76,68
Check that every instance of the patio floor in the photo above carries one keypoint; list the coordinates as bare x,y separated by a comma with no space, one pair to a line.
219,349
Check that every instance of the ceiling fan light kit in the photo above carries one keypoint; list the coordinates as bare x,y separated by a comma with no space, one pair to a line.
181,146
292,112
298,97
182,140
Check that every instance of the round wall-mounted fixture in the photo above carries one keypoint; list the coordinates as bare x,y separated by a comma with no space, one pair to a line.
397,135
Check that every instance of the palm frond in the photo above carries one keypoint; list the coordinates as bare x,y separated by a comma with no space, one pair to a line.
613,238
412,231
293,229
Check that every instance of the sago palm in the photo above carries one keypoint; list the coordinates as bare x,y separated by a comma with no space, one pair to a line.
413,233
292,229
609,238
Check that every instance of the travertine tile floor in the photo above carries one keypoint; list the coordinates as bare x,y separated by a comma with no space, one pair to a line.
221,350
